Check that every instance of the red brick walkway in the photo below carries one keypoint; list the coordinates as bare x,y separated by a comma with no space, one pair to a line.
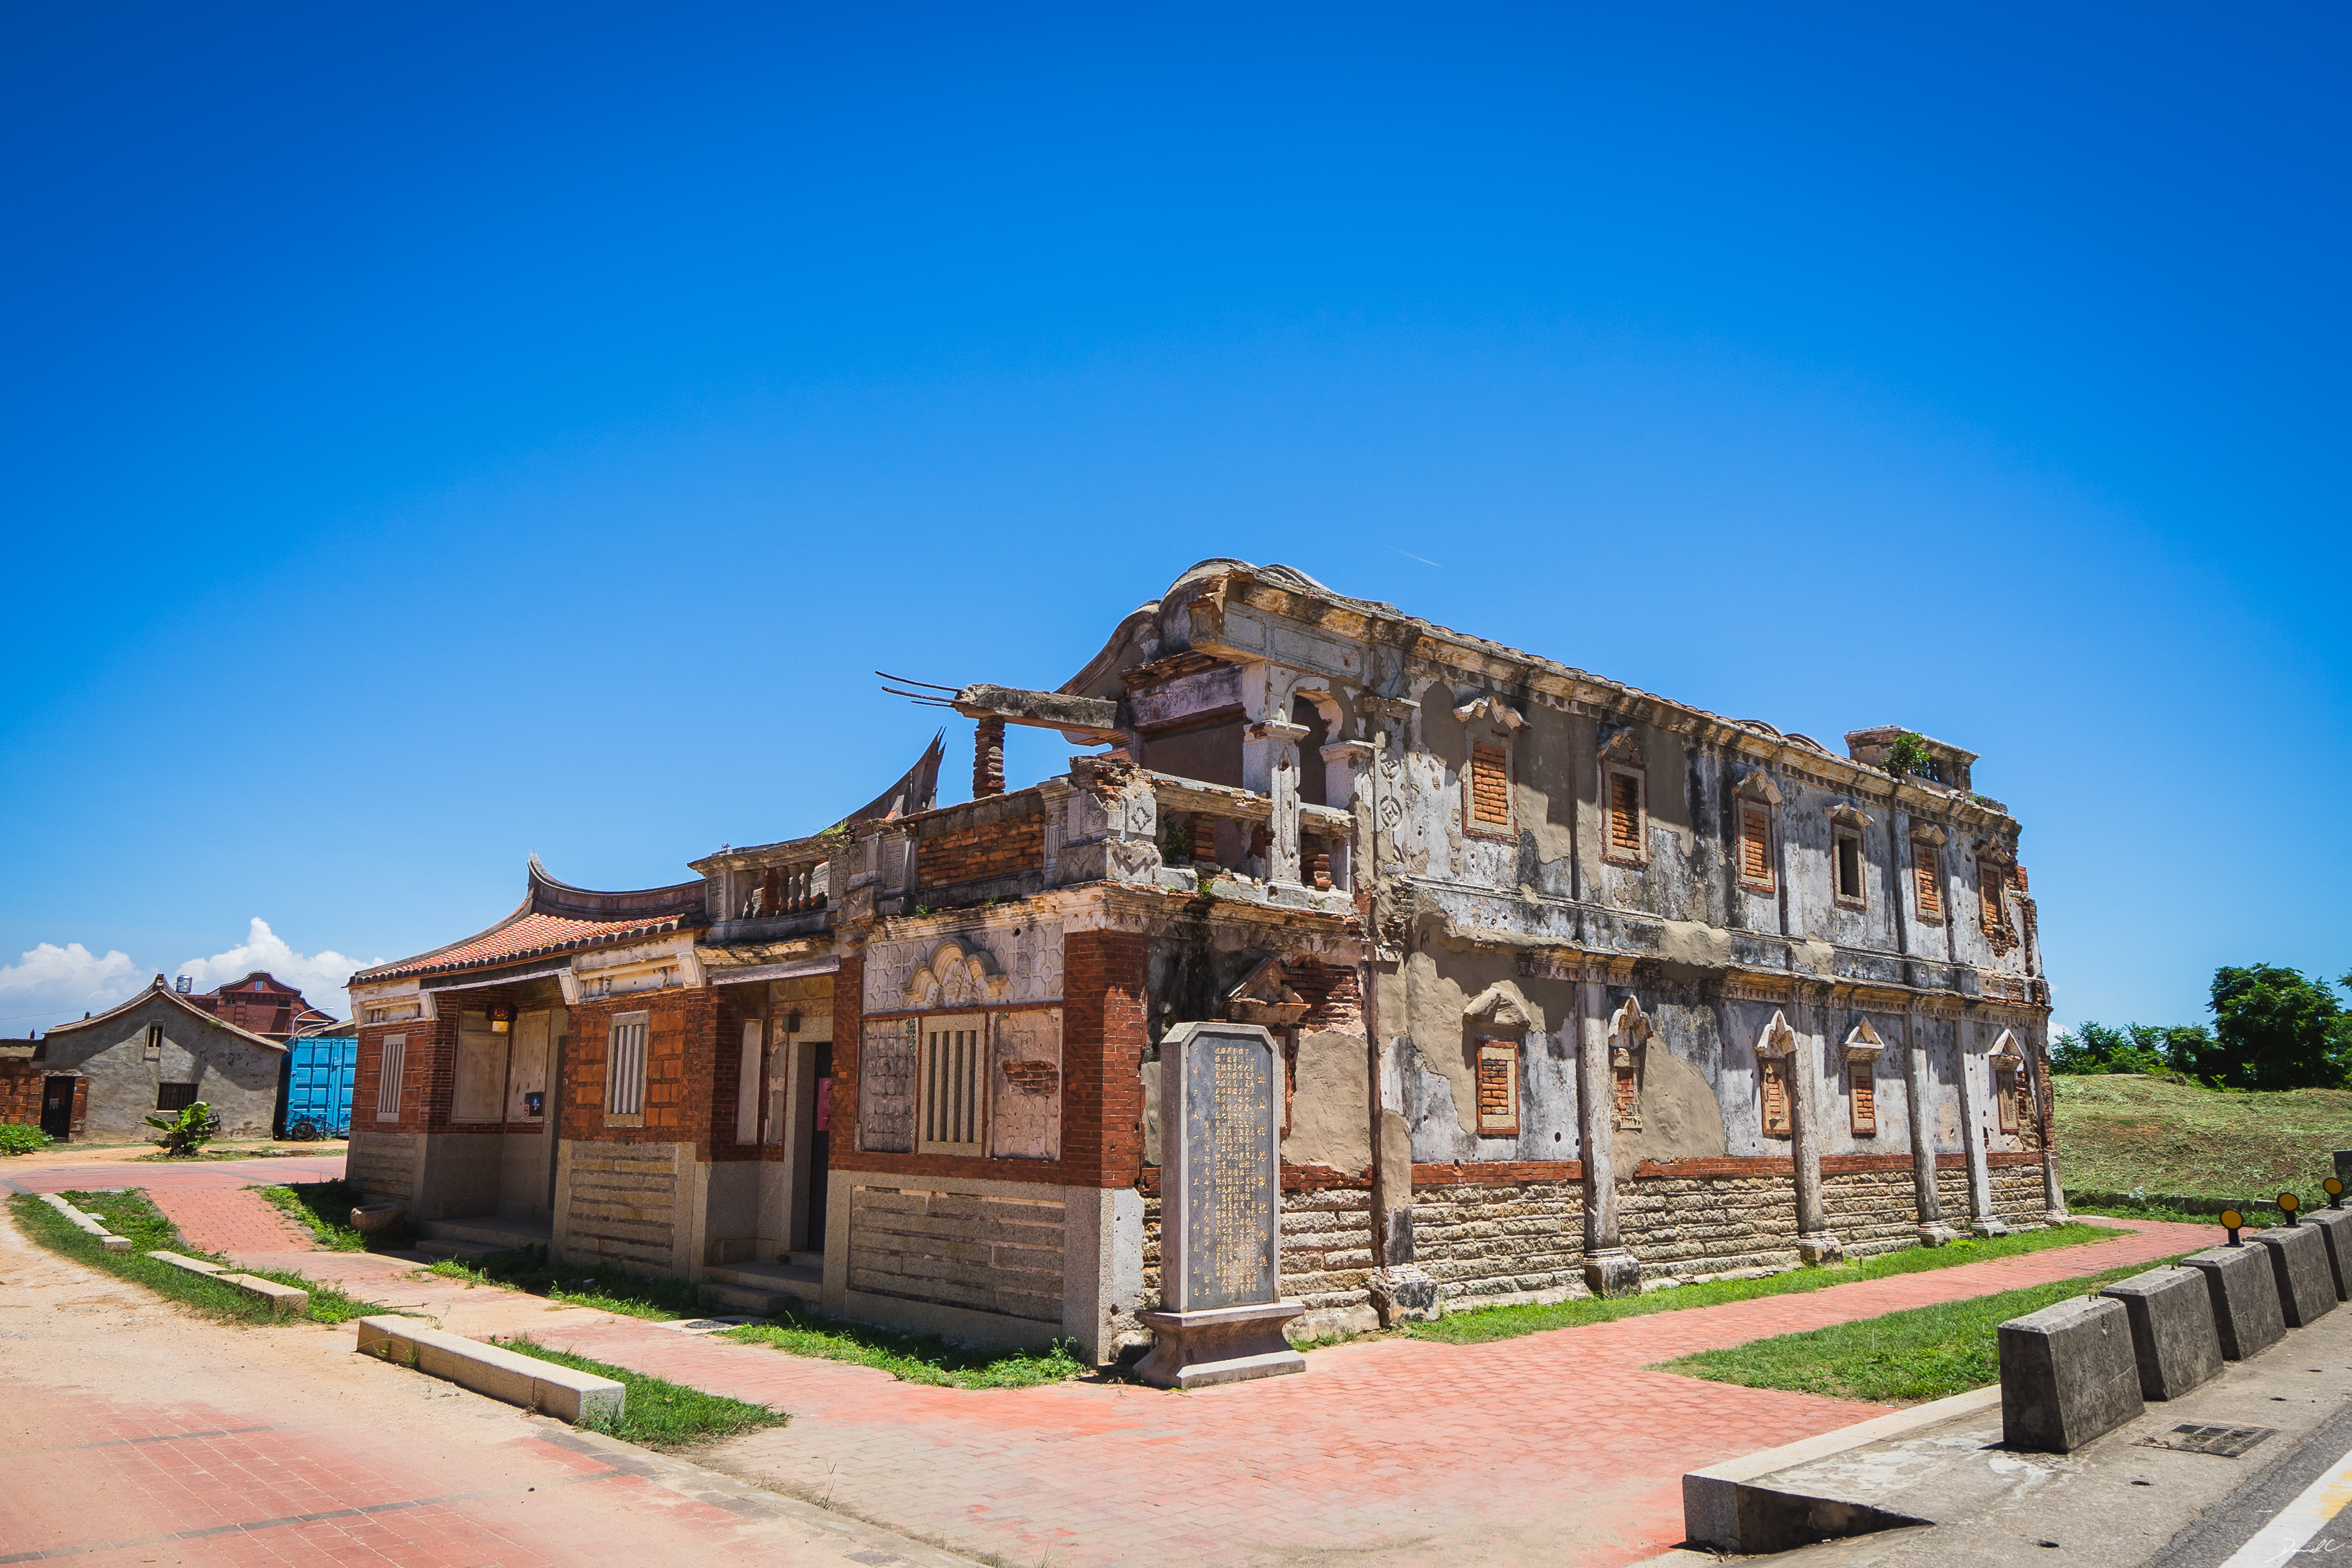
228,1219
1553,1449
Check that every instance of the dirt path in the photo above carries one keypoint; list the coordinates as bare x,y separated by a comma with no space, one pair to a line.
134,1432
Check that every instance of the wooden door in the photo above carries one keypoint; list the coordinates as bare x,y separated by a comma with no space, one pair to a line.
56,1107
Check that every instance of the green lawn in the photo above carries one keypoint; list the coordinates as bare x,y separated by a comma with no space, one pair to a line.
909,1358
1480,1324
2123,1131
1903,1358
322,1209
659,1414
130,1216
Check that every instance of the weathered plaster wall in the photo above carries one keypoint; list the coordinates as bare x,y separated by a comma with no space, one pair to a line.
237,1077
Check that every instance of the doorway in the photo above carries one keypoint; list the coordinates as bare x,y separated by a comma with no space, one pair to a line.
820,1147
56,1107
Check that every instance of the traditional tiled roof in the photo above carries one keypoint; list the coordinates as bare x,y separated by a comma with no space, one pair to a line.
555,917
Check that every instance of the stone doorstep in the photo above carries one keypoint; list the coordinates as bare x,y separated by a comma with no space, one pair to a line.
1748,1505
503,1374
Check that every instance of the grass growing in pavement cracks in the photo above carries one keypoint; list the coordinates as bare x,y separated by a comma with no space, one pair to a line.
659,1414
1903,1358
910,1358
321,1208
1482,1324
132,1216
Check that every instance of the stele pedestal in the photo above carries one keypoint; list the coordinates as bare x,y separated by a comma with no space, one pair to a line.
1219,1213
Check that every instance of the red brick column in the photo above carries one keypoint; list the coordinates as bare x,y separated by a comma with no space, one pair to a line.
848,1029
1105,1026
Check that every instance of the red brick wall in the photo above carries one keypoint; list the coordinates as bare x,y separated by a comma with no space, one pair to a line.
848,1024
732,1006
427,1081
20,1092
681,1055
986,849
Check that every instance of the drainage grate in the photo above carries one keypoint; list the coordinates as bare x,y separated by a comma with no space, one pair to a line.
2222,1442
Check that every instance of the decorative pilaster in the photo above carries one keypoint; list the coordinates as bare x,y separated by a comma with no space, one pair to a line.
1933,1231
1609,1269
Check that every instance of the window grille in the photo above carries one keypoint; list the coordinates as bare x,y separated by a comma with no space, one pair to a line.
1756,846
1624,813
387,1088
625,1065
949,1109
1490,796
154,1041
174,1095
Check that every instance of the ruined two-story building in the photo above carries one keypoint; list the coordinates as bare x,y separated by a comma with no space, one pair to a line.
1574,986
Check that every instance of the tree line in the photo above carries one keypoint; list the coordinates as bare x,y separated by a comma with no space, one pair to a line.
2272,1028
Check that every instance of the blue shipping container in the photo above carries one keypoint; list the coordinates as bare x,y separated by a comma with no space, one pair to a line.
319,1085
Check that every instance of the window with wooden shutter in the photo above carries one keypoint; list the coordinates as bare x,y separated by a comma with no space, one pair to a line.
1756,846
392,1069
1773,1075
1989,886
1499,1088
1624,813
948,1112
1927,881
1490,794
625,1070
1862,1081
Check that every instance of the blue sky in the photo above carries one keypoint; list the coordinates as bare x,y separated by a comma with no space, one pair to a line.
433,436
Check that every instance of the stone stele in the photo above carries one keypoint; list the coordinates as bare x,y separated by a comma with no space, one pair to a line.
1219,1213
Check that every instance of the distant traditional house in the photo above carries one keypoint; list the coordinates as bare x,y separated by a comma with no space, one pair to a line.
160,1051
261,1003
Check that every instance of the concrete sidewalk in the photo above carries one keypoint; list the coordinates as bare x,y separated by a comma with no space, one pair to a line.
2115,1503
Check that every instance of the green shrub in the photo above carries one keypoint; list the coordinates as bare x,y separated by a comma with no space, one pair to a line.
185,1135
18,1138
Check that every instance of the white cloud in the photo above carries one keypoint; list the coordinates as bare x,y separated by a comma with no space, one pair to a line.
319,976
54,985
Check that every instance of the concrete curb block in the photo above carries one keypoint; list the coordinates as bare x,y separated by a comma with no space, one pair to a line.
88,1224
2244,1291
506,1374
1725,1506
2339,1246
2173,1335
2306,1284
2068,1374
285,1301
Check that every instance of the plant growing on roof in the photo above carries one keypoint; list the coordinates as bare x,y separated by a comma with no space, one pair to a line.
185,1135
1909,754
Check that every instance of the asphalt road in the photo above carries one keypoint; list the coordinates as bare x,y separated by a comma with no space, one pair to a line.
2227,1534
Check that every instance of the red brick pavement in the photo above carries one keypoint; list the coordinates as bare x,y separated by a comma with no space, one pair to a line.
1556,1447
228,1219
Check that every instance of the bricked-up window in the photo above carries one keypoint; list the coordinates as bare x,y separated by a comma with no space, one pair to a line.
625,1070
948,1113
174,1095
1988,881
1490,790
2005,1091
1848,869
1927,880
1862,1090
1756,846
1625,839
1772,1073
1499,1087
387,1088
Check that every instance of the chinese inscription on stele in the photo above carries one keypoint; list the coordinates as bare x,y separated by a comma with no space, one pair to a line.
1228,1175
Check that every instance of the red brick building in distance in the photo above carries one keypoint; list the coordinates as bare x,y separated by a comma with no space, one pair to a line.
1574,987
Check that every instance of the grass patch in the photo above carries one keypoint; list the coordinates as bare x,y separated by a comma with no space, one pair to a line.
1903,1358
659,1414
321,1208
910,1358
607,1291
2119,1132
132,1217
1481,1324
